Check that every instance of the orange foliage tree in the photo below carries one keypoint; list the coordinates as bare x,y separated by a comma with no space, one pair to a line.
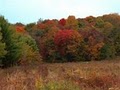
20,29
93,42
72,23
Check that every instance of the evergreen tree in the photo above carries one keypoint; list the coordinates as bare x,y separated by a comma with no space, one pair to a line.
2,48
12,48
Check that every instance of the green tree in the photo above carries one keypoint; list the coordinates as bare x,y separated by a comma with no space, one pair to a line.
115,36
3,52
9,38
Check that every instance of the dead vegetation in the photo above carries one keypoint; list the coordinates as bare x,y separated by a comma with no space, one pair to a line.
94,75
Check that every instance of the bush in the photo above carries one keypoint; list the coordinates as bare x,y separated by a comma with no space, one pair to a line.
57,86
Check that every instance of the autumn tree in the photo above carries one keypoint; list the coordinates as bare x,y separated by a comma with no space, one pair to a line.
108,27
68,44
112,18
29,49
90,20
62,23
93,42
81,23
20,29
72,23
99,22
47,24
46,45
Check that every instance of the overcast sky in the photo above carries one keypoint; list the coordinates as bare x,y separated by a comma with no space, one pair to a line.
27,11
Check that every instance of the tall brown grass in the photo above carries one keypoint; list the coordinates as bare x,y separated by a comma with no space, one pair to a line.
94,75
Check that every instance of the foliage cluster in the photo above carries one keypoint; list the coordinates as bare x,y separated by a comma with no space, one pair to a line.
71,39
91,38
16,46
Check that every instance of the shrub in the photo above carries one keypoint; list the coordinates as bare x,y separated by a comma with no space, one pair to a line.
64,85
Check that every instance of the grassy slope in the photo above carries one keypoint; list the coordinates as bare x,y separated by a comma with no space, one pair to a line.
94,75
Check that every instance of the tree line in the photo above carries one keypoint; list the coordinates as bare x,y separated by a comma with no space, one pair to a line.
64,40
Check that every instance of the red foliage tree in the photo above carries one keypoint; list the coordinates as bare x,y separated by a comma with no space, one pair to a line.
62,22
68,42
46,24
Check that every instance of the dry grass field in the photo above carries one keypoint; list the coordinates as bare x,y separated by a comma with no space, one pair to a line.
94,75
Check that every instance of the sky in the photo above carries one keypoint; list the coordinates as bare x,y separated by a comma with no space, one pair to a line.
28,11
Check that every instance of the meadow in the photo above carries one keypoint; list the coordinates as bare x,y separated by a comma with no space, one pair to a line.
93,75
